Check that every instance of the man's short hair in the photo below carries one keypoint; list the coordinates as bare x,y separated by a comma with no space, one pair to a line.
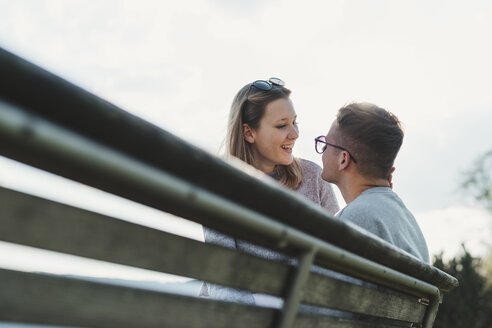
372,134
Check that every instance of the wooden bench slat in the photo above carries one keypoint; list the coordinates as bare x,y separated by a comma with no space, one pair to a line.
362,299
37,222
57,300
308,321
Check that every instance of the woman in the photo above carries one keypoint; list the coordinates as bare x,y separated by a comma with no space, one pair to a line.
262,131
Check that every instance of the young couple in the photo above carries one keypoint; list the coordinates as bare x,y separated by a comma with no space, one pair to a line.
357,154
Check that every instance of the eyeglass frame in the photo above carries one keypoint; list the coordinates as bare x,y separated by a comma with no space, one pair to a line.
318,139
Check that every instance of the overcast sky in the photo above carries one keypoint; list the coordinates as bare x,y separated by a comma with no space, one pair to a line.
178,64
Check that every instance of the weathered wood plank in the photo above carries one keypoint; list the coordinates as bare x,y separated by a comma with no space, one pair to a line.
309,321
347,296
37,222
43,299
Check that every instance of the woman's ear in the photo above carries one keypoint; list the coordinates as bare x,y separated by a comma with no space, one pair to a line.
248,133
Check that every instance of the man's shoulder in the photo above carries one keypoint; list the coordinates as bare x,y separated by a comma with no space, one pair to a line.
359,211
366,212
367,206
382,212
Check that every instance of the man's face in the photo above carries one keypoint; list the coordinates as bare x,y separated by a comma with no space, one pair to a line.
330,171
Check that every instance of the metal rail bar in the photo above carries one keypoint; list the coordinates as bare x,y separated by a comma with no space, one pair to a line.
431,312
294,294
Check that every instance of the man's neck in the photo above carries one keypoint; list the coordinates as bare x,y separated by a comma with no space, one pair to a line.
351,189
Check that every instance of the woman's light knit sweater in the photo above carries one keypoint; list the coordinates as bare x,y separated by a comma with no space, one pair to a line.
313,188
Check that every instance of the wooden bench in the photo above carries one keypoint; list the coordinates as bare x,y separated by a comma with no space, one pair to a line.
55,126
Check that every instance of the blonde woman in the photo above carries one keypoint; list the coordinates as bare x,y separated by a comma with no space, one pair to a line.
262,131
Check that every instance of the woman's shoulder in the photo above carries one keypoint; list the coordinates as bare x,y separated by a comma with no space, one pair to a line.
315,188
309,168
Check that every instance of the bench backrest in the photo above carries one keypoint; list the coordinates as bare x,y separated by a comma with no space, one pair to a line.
53,125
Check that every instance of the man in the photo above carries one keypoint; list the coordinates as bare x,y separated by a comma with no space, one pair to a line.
358,156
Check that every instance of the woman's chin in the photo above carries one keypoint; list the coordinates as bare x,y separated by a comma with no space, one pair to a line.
287,161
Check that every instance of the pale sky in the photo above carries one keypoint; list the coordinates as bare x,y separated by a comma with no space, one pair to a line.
178,64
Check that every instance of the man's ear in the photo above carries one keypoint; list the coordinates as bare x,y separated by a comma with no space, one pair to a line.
344,160
390,177
248,133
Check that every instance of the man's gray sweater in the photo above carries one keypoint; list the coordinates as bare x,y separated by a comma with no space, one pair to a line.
380,211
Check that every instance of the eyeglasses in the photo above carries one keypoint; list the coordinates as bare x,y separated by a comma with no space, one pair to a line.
320,145
267,85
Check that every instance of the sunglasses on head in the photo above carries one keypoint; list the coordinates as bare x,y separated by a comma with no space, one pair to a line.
267,85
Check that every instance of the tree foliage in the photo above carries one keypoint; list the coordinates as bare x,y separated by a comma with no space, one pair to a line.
469,305
487,268
478,180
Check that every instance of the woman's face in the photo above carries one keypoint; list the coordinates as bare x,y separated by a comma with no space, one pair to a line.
273,140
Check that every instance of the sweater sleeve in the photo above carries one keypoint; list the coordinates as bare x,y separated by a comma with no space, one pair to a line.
221,292
214,237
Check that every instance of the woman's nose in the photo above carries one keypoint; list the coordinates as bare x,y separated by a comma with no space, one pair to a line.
294,132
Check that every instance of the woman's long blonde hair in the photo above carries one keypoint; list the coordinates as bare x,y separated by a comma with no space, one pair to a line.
249,107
